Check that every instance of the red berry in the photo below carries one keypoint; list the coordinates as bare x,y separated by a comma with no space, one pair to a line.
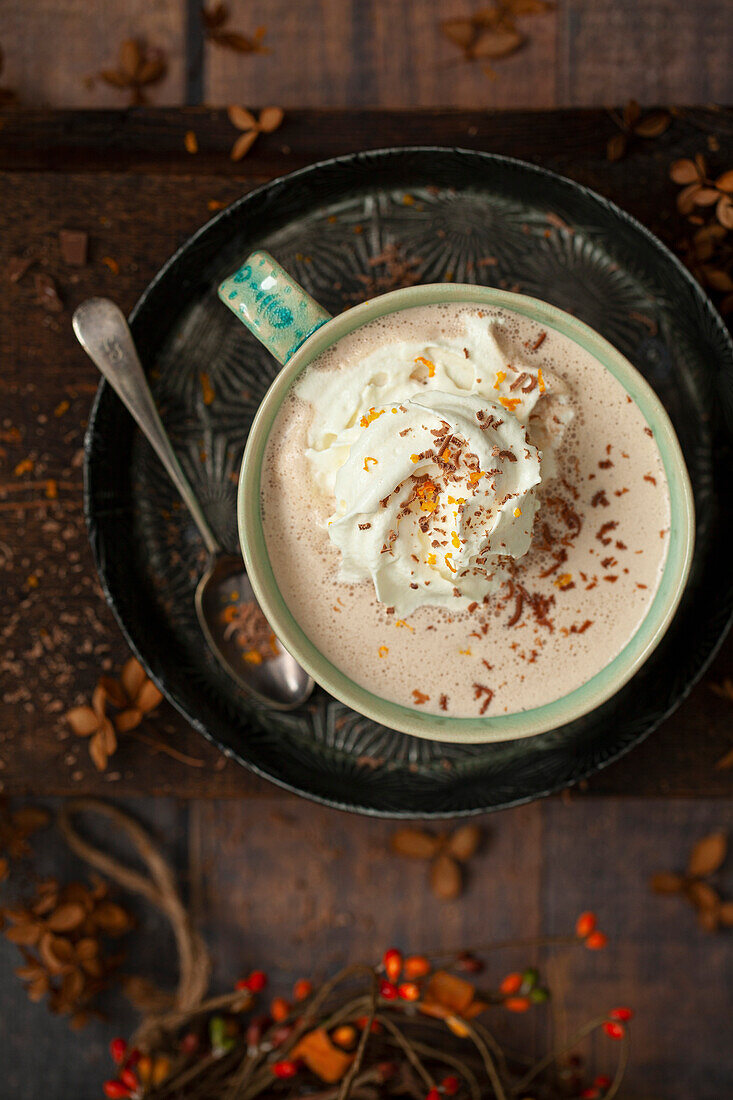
257,981
433,1094
590,1094
133,1057
392,963
468,962
190,1042
302,989
388,990
386,1070
118,1050
450,1085
517,1004
416,966
614,1030
242,985
280,1034
585,924
621,1013
602,1082
408,991
285,1069
596,941
511,984
115,1090
361,1023
129,1080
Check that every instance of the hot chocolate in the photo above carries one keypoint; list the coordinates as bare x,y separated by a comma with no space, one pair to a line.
464,511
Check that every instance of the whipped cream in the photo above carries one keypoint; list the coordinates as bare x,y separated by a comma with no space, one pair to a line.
424,450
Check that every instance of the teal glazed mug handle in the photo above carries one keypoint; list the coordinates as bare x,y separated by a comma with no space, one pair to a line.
272,305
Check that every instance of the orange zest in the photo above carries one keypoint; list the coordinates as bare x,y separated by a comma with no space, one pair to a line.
367,460
476,476
500,376
517,513
414,458
431,559
401,622
510,403
449,562
428,363
564,580
541,380
252,657
383,650
371,415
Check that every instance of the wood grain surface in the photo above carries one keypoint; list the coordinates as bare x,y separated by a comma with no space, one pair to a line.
127,180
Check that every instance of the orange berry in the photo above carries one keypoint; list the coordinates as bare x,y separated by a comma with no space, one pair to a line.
585,924
279,1009
416,966
344,1036
511,984
408,991
302,989
596,941
517,1004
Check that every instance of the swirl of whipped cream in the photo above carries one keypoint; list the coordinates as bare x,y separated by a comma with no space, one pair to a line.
425,452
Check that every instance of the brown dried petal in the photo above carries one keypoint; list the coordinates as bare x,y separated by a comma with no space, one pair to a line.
724,182
152,70
686,198
706,196
461,32
30,971
707,855
38,989
708,919
718,279
72,987
632,112
724,211
232,40
66,918
112,918
415,843
684,171
45,903
702,165
130,57
117,80
149,697
83,721
99,700
145,996
493,44
445,878
616,146
132,677
462,844
215,16
243,144
241,118
725,914
87,948
271,118
530,7
114,691
653,125
24,935
92,967
57,953
80,894
702,895
98,752
129,719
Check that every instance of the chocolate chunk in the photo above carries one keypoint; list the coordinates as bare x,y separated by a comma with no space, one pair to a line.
73,244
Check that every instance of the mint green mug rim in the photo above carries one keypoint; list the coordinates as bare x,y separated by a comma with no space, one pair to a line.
480,729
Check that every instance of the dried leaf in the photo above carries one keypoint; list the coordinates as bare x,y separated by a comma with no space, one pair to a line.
241,118
493,44
462,844
415,843
445,878
702,895
270,119
130,58
724,211
632,113
66,918
724,182
653,125
616,146
243,144
665,882
707,855
461,32
706,196
684,171
686,198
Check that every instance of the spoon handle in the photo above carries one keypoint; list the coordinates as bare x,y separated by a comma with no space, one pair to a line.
102,330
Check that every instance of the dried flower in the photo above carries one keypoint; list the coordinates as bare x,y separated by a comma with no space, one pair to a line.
92,722
138,695
445,853
216,17
139,67
270,119
707,857
632,123
16,826
133,695
491,33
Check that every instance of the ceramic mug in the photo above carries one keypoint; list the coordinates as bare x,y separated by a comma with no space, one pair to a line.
296,329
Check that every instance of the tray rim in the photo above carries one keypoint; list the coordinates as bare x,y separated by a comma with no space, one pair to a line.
228,212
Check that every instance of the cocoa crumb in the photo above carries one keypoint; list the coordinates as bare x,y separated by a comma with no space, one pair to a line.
601,499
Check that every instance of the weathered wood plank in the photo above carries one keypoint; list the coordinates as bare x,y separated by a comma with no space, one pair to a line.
53,51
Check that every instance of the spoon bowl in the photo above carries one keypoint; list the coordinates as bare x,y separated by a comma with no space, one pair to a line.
225,603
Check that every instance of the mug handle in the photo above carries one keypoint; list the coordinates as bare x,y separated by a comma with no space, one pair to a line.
272,305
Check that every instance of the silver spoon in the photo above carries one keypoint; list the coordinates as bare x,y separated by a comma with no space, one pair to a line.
102,330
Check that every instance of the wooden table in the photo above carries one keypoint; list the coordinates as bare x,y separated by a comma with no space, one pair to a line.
126,179
272,879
